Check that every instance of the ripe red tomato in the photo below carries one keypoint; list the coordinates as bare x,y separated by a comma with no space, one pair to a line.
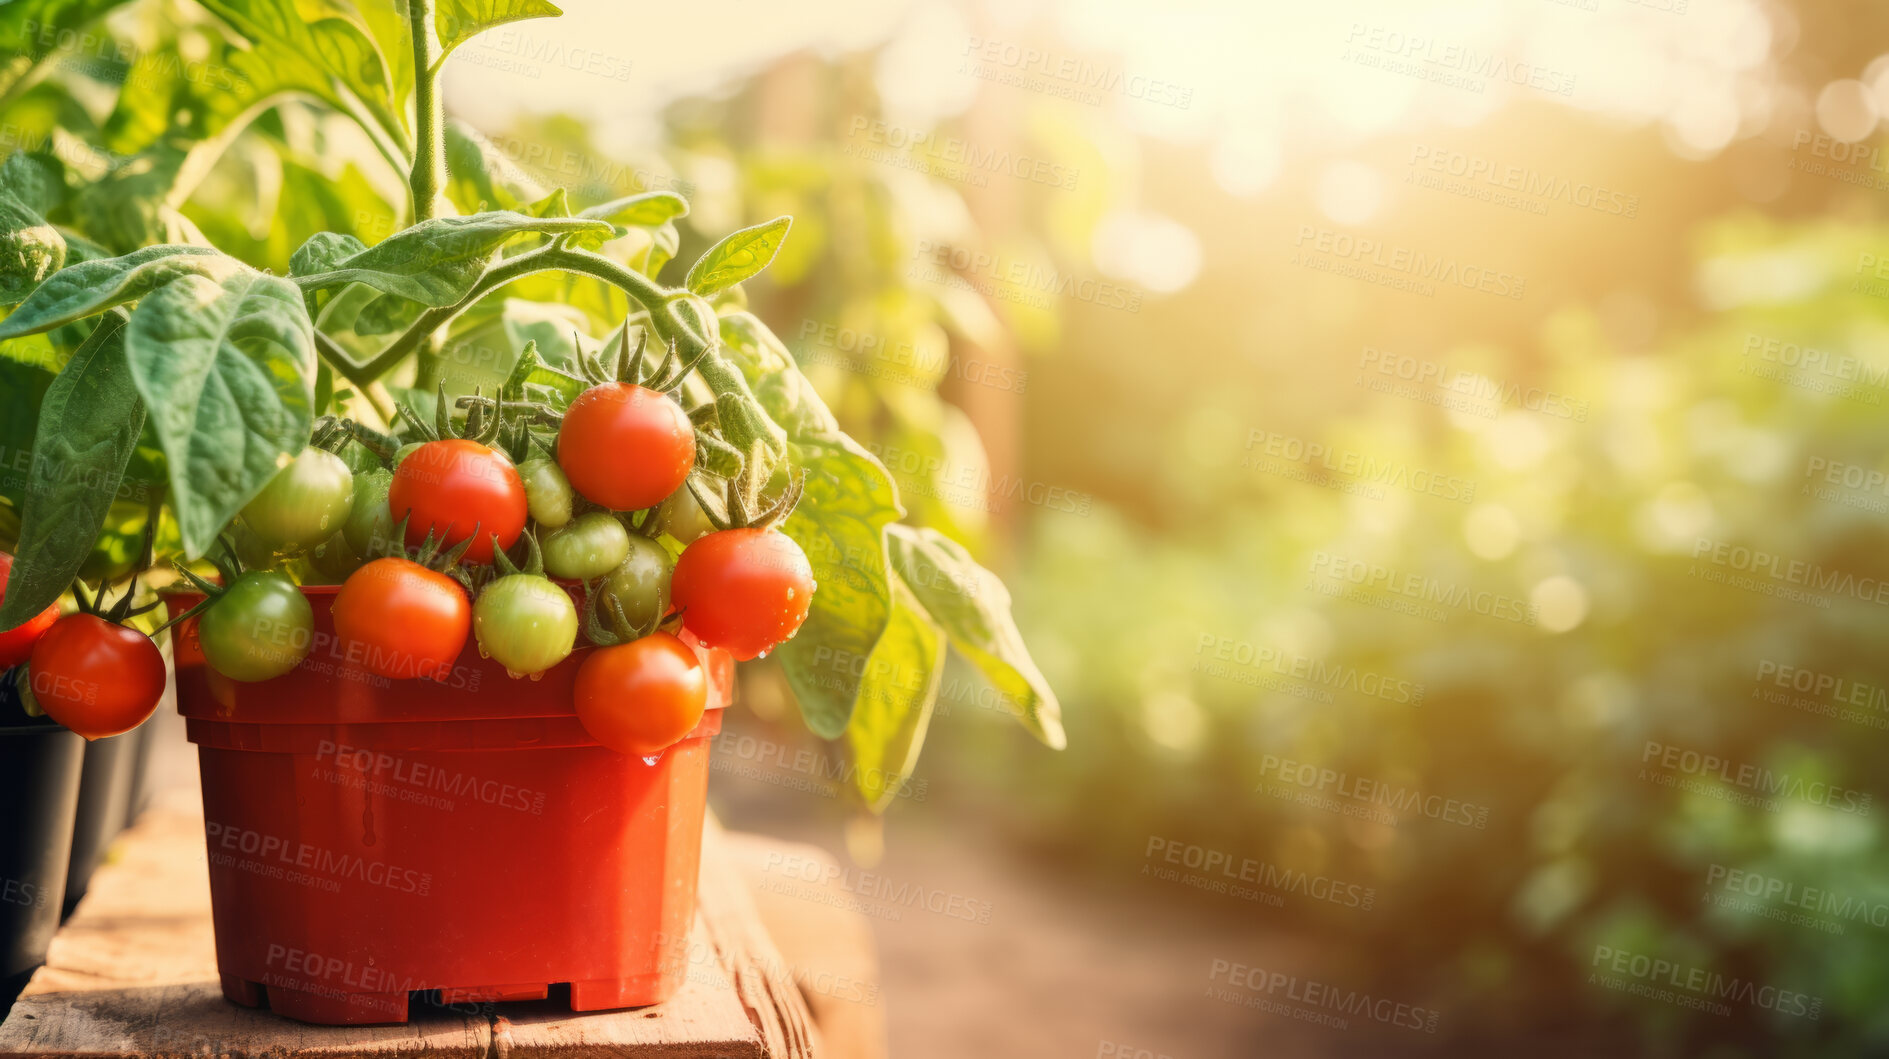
625,446
96,678
643,696
448,486
397,619
743,590
17,643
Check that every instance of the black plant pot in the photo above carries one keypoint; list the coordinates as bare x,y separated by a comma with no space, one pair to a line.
104,792
39,788
138,791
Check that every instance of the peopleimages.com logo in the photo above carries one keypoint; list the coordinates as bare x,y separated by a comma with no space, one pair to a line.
1761,784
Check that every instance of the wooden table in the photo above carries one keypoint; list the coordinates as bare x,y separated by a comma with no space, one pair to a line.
134,973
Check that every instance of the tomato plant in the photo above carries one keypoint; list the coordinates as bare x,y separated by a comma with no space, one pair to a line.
304,394
641,697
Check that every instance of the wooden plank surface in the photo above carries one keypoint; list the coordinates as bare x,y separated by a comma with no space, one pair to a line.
824,941
134,973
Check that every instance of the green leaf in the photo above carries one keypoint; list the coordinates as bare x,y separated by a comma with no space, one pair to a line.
655,211
896,697
36,180
556,204
841,525
129,207
23,383
88,425
436,262
738,257
480,177
316,45
33,28
974,608
458,21
225,364
323,252
91,287
386,315
646,210
391,29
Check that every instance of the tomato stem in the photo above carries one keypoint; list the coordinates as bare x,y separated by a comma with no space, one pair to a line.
429,124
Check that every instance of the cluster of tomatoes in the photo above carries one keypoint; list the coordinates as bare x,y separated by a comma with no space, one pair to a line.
451,520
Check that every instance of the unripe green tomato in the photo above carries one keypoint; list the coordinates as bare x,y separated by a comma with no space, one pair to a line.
590,546
682,518
406,450
260,627
526,623
304,503
547,492
369,523
640,583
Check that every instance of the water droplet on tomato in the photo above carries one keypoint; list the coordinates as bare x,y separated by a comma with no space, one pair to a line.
653,760
513,673
535,677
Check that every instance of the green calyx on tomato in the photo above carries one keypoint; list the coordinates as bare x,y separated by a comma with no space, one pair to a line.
590,546
304,503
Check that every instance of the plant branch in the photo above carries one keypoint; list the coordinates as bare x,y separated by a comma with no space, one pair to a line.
364,382
429,123
662,305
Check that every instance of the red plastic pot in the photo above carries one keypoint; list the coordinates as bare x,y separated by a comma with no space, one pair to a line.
368,838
